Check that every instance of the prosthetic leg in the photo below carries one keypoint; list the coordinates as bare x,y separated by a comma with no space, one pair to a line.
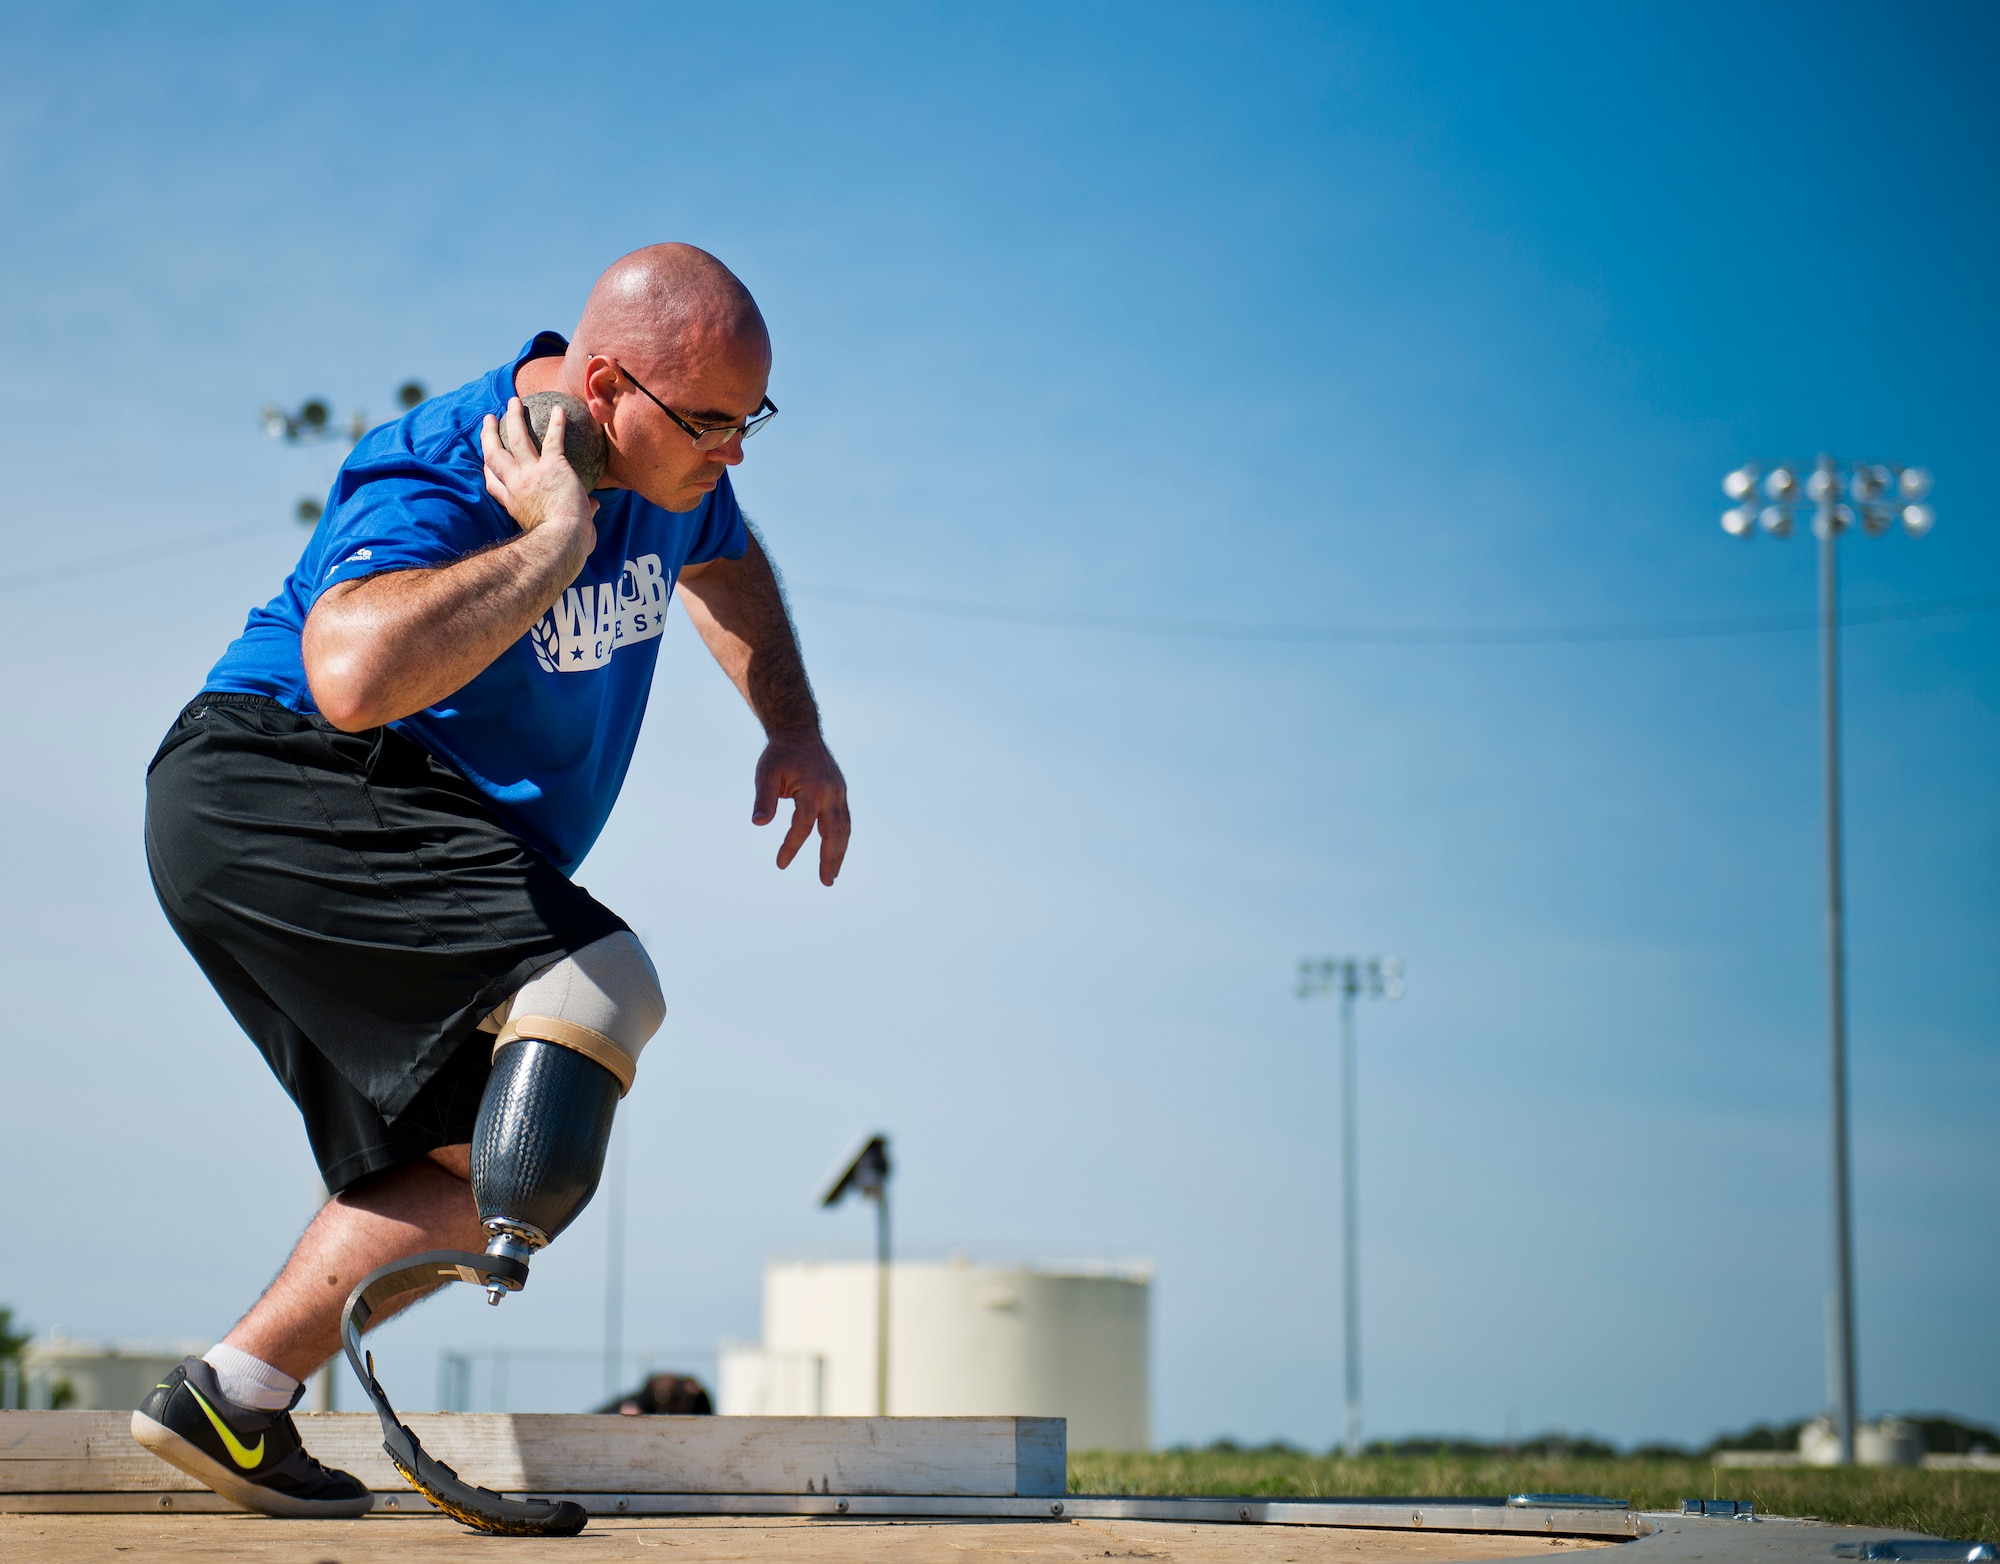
537,1153
480,1508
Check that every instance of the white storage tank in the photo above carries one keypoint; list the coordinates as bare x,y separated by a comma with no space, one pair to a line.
101,1376
1887,1442
964,1340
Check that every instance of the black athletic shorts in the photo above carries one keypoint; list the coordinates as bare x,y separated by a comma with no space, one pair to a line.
359,909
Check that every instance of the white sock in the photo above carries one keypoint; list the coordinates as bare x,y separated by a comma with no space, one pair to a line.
250,1382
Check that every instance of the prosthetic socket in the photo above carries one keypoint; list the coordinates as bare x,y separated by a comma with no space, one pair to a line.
567,1049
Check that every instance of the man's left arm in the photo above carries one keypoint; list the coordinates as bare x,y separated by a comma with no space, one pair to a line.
736,606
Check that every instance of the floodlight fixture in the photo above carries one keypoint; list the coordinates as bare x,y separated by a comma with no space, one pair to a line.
864,1171
1377,977
1868,485
1351,978
1870,481
312,421
306,424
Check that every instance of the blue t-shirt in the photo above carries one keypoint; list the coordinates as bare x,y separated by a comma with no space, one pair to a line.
546,732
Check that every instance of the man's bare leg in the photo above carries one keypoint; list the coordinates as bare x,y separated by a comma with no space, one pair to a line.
426,1204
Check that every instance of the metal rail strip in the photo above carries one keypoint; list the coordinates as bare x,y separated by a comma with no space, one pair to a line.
1422,1514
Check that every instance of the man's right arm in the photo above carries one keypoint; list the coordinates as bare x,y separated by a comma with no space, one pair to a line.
382,648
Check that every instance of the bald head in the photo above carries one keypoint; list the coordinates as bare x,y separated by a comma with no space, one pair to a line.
672,359
667,307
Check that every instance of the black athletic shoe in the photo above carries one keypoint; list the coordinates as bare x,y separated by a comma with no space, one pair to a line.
253,1458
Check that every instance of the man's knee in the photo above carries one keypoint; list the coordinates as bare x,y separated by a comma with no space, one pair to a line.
604,1001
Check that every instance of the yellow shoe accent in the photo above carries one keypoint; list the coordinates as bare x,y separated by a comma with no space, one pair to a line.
243,1455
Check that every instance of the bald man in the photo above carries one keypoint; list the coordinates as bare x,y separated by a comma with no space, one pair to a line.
364,827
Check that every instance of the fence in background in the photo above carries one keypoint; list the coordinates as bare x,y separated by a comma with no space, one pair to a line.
26,1389
548,1379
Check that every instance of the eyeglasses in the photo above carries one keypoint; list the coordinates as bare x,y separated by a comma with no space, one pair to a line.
713,436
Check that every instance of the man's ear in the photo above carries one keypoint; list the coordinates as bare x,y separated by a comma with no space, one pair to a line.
600,386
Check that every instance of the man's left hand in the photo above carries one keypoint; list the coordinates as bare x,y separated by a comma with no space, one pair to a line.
800,767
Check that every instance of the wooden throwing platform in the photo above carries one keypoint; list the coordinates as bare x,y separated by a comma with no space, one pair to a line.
1010,1469
940,1468
81,1461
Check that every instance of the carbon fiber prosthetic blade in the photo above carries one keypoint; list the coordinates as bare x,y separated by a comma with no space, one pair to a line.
480,1508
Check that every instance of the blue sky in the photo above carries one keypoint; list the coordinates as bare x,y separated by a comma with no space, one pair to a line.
1403,315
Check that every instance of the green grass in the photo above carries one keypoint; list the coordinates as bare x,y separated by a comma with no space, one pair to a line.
1943,1503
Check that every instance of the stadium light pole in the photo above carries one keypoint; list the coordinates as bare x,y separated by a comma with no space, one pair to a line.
865,1172
1378,977
1875,489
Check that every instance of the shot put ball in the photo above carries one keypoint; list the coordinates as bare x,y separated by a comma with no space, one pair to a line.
583,441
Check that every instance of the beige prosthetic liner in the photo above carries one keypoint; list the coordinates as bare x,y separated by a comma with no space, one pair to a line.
604,1002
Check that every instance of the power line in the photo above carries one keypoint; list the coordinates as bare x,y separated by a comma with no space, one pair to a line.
144,555
1391,635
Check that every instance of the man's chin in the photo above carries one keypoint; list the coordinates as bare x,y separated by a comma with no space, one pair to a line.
684,498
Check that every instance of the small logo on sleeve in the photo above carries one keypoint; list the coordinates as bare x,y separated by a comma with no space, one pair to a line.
358,554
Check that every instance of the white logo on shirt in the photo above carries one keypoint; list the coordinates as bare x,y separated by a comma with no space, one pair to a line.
360,553
593,620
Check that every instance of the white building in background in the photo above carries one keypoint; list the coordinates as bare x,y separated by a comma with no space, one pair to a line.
1888,1442
965,1340
101,1376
